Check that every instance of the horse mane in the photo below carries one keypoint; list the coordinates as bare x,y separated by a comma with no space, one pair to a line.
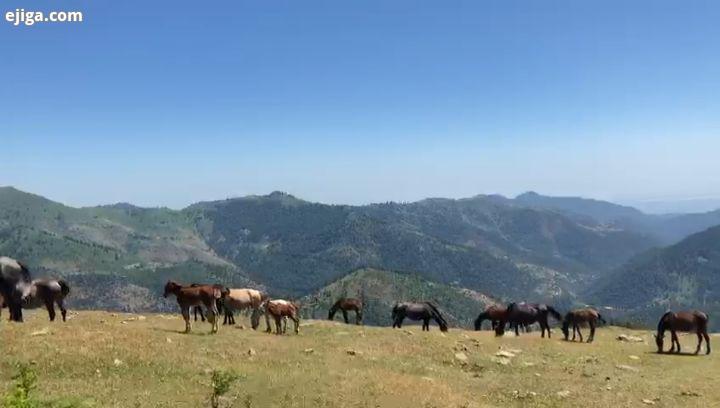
554,313
661,323
478,322
438,317
64,287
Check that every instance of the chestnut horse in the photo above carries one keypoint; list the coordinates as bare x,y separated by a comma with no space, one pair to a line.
189,296
280,309
241,299
494,313
418,311
686,321
47,292
197,310
581,316
345,305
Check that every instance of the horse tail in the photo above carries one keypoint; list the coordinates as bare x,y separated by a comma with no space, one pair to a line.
478,322
64,287
554,313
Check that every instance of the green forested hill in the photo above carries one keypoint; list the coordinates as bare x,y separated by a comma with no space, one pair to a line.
685,275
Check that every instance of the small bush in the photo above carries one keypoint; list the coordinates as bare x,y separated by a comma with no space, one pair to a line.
221,382
20,396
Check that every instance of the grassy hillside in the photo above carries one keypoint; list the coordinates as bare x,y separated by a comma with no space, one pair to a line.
381,289
685,275
99,359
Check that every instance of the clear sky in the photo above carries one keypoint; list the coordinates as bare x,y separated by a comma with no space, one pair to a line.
171,102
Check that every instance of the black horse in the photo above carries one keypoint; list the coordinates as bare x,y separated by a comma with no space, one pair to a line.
15,283
418,311
522,314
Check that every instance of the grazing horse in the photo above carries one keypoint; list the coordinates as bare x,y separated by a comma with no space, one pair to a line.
47,292
345,305
580,316
15,283
494,313
521,314
189,296
686,321
280,309
418,311
241,299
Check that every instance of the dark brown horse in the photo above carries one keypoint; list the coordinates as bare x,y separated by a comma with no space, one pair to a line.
47,292
523,314
578,317
345,305
494,313
15,283
280,309
189,296
686,321
418,311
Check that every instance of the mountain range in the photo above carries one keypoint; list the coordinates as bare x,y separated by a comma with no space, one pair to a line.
566,250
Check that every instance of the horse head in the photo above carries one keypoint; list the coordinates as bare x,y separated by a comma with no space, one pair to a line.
171,287
659,339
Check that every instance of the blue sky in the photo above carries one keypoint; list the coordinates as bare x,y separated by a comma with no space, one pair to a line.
171,102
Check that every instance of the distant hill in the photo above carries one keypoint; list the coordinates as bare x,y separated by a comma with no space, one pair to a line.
379,291
684,275
666,229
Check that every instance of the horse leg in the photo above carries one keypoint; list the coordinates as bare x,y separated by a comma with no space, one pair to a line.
267,322
50,306
296,320
345,316
676,340
186,316
63,311
700,340
517,328
358,317
15,310
592,332
707,342
278,324
579,333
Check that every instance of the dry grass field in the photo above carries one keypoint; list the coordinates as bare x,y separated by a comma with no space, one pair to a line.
102,359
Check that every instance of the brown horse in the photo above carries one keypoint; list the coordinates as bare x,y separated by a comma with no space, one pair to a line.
47,292
345,305
494,313
279,309
578,317
686,321
197,310
242,299
189,296
523,314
